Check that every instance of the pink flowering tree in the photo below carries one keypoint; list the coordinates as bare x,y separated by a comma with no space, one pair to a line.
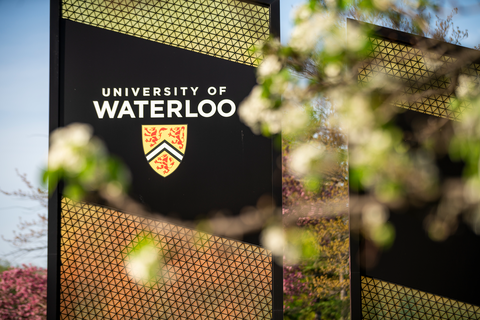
23,293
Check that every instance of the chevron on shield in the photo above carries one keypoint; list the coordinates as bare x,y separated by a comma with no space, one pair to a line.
164,146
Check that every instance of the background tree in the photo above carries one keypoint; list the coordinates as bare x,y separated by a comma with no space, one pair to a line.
31,237
23,293
316,226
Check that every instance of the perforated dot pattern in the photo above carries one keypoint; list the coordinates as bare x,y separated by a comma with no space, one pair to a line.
203,276
225,29
418,71
385,300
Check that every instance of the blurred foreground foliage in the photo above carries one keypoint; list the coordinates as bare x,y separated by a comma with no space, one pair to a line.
308,88
83,163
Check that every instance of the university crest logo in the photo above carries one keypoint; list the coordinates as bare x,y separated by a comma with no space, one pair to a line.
164,146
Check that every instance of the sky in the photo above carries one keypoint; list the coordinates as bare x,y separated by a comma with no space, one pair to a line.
24,78
24,73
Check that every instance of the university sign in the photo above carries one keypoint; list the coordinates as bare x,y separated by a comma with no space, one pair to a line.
161,82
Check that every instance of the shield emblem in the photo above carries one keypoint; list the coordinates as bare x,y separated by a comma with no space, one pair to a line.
164,146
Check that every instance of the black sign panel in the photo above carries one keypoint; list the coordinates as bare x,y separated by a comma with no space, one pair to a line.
225,166
446,268
416,277
168,108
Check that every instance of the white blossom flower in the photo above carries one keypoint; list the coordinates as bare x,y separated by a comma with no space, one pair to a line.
374,214
270,65
303,158
67,147
301,12
467,86
356,37
294,119
432,63
306,34
279,85
332,70
143,264
256,110
273,238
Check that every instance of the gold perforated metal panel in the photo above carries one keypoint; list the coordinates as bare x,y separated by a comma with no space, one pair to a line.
224,29
385,300
204,277
413,67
